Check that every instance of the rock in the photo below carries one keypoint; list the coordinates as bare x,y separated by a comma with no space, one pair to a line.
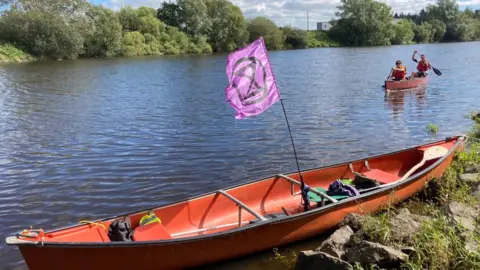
319,260
473,169
405,225
476,193
412,253
367,253
471,244
470,178
354,221
462,215
335,244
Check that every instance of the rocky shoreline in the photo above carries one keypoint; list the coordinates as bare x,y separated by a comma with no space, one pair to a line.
438,228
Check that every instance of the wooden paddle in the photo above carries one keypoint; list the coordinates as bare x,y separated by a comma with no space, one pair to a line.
431,153
389,74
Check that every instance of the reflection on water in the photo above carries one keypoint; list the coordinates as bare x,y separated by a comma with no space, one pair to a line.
89,139
395,100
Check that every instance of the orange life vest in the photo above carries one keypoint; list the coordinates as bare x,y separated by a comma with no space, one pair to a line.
399,73
422,66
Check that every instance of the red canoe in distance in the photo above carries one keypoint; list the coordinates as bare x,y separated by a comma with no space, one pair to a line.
239,220
405,84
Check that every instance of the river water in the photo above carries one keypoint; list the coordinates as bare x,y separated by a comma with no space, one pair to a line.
88,139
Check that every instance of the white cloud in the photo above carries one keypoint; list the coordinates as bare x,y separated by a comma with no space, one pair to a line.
294,12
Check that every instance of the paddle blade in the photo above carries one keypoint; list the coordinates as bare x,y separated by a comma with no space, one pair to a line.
435,152
437,71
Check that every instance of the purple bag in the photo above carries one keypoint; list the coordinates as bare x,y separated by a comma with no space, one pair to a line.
339,188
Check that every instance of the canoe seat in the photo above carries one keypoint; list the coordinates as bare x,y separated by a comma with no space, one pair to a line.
151,232
381,176
315,198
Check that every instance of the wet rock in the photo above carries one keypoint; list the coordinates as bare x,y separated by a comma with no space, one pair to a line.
462,215
354,221
406,225
367,253
335,244
473,169
319,260
470,178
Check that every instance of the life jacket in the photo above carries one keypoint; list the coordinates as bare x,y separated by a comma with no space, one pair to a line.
422,66
399,73
149,218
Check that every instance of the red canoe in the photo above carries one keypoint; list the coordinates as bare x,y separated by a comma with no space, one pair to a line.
240,220
405,84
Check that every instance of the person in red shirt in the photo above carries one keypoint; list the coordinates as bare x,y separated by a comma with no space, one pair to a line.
399,72
422,67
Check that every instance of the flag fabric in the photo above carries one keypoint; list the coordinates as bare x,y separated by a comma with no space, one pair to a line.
252,87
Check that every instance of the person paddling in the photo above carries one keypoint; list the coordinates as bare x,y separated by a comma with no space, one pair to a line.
399,72
422,67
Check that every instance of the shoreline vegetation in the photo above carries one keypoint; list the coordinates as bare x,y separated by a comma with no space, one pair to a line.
10,53
438,228
71,29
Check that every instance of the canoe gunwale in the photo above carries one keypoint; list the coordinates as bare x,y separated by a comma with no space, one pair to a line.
13,240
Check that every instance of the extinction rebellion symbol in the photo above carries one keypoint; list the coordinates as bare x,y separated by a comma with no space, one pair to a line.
249,80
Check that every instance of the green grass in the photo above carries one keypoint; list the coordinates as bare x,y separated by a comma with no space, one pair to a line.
10,53
439,244
320,39
284,261
432,128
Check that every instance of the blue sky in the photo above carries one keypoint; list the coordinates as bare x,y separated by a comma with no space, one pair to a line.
294,12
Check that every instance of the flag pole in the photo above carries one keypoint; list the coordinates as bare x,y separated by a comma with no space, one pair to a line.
302,186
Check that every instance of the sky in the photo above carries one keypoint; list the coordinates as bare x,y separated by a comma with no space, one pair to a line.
294,12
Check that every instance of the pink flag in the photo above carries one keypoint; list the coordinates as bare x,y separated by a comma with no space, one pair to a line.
252,87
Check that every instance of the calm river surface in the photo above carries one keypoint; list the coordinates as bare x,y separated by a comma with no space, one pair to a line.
89,139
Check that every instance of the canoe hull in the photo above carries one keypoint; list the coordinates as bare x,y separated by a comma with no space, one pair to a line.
197,251
405,84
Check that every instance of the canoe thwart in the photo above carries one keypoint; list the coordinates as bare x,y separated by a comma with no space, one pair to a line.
239,203
293,181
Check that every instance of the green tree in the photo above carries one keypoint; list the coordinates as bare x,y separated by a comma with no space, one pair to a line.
194,17
266,28
229,28
295,38
424,32
363,22
129,19
148,22
169,13
105,39
152,45
444,10
133,44
439,29
403,32
44,33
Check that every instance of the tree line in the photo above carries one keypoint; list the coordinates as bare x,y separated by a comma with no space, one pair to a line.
369,23
67,29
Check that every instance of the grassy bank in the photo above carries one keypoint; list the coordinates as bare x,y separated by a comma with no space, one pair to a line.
9,53
440,240
320,39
